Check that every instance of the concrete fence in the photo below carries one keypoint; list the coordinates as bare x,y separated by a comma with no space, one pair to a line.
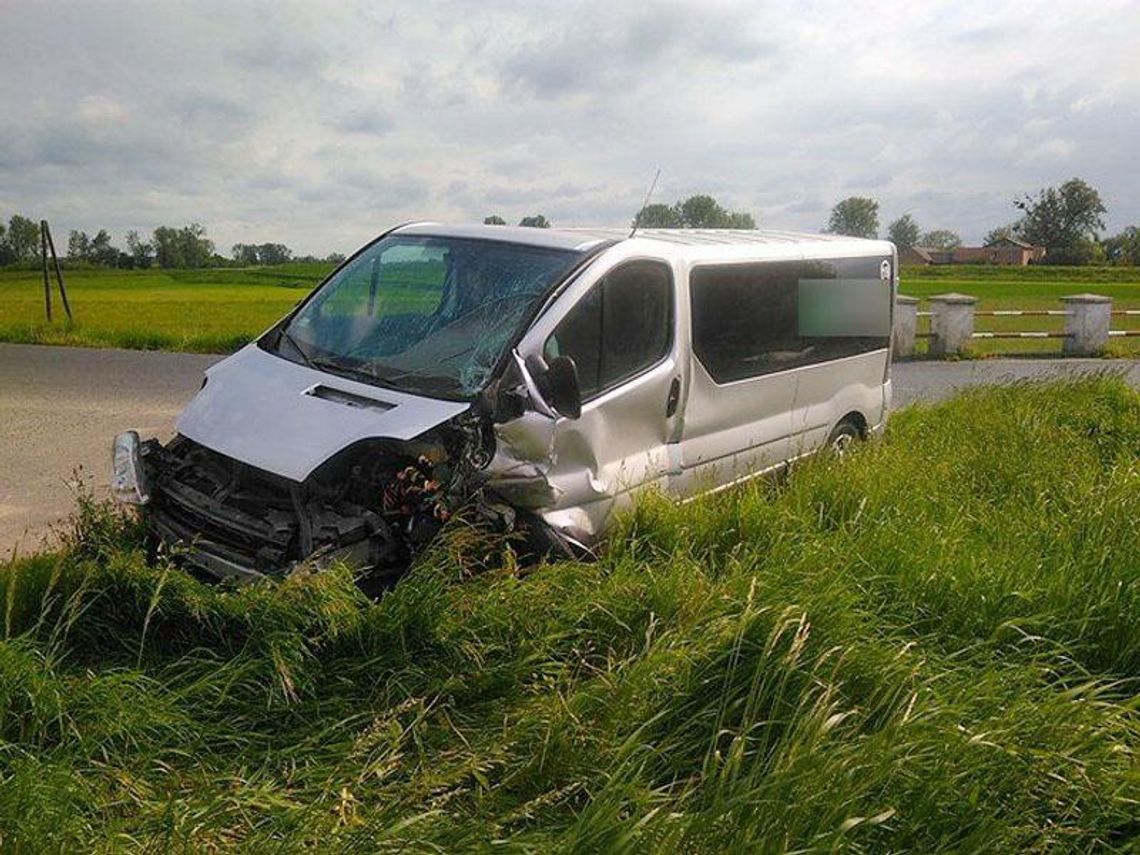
1086,330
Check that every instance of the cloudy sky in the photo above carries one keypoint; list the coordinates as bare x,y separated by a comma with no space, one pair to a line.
318,124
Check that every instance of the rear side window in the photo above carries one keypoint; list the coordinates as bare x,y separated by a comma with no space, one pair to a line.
755,319
621,327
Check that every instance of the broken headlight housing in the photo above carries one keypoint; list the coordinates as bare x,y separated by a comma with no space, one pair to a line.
128,479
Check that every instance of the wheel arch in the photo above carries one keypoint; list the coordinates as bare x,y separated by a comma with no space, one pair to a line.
856,418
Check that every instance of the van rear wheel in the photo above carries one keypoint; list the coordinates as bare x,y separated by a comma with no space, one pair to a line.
843,438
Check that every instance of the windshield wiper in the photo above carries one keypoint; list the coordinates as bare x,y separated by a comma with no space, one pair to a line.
283,335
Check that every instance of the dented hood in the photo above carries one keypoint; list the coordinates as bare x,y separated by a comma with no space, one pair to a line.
289,419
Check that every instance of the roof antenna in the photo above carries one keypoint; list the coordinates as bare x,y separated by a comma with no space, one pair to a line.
645,204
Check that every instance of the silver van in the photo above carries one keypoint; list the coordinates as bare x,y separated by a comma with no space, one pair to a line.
533,378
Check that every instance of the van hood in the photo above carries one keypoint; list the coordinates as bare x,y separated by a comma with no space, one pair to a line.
288,419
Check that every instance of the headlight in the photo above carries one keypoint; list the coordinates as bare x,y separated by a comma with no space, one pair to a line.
128,481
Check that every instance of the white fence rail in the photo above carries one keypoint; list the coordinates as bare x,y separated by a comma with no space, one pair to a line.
1086,330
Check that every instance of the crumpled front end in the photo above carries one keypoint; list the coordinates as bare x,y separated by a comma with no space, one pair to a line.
374,506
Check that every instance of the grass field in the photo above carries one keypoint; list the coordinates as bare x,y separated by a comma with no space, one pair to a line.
220,310
207,311
926,647
1029,288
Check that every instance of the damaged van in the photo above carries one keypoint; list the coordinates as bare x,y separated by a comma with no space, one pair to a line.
534,378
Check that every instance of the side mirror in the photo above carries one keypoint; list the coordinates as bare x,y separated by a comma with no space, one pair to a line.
562,381
558,383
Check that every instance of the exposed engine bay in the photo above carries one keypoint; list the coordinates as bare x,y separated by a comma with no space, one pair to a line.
376,504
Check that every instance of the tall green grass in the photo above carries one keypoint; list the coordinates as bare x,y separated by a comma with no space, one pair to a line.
930,645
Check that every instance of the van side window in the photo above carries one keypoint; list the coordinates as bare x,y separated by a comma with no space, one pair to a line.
755,319
623,326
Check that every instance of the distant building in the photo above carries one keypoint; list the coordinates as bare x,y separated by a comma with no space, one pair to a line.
917,255
1006,250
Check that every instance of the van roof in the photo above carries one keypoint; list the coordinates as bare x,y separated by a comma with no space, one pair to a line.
694,243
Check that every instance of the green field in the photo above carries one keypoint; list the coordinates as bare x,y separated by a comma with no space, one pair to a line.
1029,288
219,310
208,311
924,647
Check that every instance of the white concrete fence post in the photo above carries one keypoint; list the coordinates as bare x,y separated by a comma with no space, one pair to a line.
951,323
1086,325
905,326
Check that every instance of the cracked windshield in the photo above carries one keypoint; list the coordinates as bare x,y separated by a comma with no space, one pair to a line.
425,315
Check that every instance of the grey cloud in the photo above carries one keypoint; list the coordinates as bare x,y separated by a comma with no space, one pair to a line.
208,107
586,57
990,35
374,122
289,57
318,123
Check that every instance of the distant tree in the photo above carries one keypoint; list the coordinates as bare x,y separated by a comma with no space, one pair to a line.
78,246
6,256
940,239
658,216
1000,233
244,253
1078,253
184,247
855,216
538,221
142,252
101,251
697,212
166,249
1065,220
273,253
24,238
197,249
335,258
740,220
1124,248
903,232
704,212
494,220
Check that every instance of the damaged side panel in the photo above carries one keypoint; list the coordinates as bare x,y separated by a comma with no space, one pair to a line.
624,329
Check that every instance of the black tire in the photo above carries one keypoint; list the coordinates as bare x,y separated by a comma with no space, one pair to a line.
843,438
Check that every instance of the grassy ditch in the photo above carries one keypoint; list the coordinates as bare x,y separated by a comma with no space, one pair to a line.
932,645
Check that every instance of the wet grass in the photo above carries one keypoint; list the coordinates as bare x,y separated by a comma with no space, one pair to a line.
929,646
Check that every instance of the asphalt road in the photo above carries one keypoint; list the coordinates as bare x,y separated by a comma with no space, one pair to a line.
60,408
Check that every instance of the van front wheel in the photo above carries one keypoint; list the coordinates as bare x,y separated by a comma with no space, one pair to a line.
843,438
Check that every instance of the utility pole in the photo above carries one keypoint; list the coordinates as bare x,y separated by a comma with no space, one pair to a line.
46,243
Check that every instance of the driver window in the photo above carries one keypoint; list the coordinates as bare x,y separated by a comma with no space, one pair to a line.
623,326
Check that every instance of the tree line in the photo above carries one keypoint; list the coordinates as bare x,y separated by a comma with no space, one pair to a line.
1067,220
696,212
186,246
537,221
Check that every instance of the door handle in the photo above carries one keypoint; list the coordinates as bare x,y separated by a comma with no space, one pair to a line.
674,398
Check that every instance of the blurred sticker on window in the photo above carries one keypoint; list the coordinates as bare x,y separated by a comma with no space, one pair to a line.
831,308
